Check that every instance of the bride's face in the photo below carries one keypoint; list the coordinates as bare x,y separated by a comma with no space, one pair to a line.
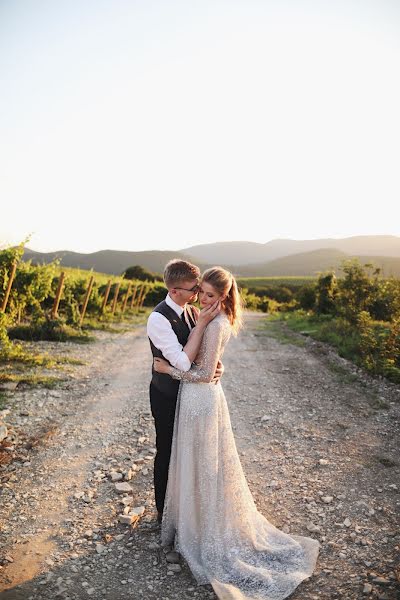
208,295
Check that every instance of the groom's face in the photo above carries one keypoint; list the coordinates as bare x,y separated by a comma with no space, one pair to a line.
188,290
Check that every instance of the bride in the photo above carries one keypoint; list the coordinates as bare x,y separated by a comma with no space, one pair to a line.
209,513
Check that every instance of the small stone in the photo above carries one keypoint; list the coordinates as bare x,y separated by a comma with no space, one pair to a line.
123,488
3,431
312,527
100,548
90,591
127,500
153,546
174,568
381,580
265,418
116,476
172,557
367,589
347,522
9,385
323,461
128,475
327,499
127,519
138,510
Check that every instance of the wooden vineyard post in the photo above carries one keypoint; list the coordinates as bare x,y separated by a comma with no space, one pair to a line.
139,298
134,295
145,290
128,291
87,295
9,286
58,296
114,304
103,306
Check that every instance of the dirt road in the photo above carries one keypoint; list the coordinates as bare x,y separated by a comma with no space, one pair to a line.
319,443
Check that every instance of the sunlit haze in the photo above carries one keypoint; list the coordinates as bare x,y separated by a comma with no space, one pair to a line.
161,125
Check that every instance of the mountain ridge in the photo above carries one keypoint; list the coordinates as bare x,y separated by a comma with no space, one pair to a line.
246,259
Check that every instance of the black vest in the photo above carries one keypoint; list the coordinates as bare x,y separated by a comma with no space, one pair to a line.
162,381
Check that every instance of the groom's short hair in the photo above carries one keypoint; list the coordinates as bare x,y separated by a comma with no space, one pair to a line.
176,271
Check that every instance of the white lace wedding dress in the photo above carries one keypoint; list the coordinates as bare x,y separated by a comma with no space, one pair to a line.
209,513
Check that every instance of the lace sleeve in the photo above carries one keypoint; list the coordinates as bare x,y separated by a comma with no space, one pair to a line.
210,351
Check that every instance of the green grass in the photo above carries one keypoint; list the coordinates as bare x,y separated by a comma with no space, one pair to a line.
335,332
33,379
118,323
379,403
276,328
345,338
3,400
59,333
342,373
18,354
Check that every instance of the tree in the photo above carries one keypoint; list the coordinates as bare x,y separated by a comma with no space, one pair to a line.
139,272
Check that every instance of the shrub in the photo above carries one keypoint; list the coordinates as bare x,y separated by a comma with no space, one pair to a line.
306,296
357,290
325,294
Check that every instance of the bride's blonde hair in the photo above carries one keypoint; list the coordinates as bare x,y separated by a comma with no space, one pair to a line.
224,283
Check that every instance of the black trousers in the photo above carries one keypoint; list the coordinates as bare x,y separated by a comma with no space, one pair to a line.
163,411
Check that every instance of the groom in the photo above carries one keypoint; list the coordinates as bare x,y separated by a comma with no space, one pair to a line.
168,329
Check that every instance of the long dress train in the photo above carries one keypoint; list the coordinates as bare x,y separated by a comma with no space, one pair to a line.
209,514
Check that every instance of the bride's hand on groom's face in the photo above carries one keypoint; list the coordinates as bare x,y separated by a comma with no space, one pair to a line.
208,314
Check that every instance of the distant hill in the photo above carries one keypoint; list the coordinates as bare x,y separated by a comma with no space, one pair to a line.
246,253
109,261
314,262
237,253
283,257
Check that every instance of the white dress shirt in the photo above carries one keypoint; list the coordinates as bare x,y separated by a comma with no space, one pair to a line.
160,331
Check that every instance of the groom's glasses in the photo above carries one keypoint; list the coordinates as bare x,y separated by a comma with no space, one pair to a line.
194,289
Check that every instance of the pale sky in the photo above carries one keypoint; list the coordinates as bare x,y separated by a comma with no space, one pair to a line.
161,124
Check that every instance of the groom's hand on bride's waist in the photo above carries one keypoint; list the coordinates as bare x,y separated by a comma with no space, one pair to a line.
219,371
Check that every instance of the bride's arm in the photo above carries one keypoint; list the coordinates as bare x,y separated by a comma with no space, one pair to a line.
204,372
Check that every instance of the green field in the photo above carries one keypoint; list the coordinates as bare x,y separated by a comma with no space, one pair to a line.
73,274
260,282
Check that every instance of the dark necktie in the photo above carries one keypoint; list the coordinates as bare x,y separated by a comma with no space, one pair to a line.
183,318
